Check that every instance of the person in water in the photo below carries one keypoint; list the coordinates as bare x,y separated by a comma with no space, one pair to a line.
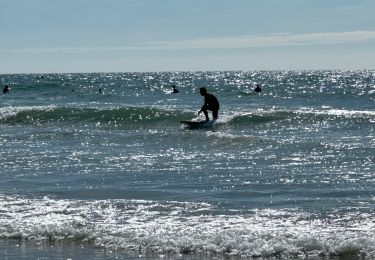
6,89
175,90
210,103
258,89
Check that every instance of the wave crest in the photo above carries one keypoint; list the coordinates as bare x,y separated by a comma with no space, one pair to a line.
118,115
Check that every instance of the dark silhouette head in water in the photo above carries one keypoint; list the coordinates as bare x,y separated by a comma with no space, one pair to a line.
6,89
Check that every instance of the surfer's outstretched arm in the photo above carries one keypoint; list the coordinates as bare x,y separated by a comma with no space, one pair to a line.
204,112
202,109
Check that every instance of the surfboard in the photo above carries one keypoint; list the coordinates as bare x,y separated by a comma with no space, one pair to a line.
198,124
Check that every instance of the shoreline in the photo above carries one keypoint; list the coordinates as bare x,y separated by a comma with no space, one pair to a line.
68,250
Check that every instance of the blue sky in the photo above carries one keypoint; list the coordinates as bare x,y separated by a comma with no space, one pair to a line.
40,36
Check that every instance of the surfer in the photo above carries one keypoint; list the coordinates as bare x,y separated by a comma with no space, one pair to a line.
258,89
175,90
6,89
210,103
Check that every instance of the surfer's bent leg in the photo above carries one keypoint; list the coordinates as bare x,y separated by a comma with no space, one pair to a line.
215,114
206,115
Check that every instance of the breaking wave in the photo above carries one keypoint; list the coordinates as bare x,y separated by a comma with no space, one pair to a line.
138,116
191,228
118,115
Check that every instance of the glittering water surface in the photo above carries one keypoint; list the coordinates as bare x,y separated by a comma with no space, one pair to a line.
287,172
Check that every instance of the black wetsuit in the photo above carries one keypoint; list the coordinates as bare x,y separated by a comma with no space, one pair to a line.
211,103
6,90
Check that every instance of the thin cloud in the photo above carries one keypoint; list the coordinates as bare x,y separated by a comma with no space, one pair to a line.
269,40
237,42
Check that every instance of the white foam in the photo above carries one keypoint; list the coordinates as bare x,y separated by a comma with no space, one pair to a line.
343,112
185,227
338,112
11,111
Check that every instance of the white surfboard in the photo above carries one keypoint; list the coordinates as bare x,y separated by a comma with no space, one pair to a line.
199,124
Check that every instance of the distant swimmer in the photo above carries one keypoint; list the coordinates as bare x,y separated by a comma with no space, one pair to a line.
210,103
6,89
101,91
257,89
175,90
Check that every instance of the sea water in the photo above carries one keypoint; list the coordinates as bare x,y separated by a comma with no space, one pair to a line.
288,172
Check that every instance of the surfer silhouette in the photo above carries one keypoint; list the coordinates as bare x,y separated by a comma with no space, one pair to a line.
210,103
258,89
175,90
6,89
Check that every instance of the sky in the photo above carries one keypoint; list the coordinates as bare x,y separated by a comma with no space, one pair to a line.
66,36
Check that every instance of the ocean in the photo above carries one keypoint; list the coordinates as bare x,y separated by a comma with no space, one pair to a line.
285,173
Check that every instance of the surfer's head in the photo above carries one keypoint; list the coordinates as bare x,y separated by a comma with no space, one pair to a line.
203,91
